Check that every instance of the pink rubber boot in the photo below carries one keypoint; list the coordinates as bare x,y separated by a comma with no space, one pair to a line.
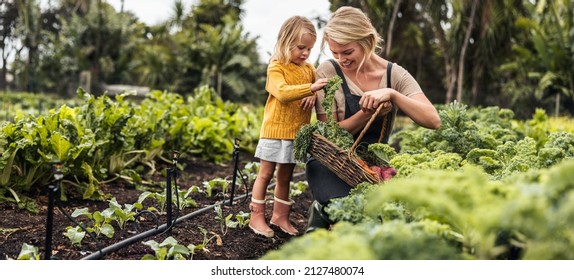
280,218
257,221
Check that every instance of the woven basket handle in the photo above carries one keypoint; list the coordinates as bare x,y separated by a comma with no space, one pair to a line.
354,147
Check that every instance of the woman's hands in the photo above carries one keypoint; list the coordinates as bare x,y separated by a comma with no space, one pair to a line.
371,100
417,106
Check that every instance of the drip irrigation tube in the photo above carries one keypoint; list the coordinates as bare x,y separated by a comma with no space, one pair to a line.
126,242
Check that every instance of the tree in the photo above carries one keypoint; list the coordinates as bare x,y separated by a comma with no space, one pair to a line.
492,40
29,26
543,55
8,18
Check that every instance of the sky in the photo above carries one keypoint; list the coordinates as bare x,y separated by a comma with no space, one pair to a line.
262,18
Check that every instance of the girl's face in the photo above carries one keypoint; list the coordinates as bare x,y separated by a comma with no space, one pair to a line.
300,52
349,55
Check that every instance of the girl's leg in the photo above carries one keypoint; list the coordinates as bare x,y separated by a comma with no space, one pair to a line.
284,175
257,221
264,177
282,203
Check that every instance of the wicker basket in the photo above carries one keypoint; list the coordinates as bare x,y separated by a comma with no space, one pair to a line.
344,164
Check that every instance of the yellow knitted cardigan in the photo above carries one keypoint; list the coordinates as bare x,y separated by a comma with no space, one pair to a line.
287,84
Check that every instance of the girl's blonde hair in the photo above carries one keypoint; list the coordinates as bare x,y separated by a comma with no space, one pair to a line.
289,36
349,24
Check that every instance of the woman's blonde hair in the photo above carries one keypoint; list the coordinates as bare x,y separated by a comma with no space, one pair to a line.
289,35
349,24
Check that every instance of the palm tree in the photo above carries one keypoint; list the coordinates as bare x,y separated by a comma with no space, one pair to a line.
545,54
223,47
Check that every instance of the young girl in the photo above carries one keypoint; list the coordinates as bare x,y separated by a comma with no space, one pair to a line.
291,86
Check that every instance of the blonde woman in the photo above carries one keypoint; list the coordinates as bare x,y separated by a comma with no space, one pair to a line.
292,87
369,81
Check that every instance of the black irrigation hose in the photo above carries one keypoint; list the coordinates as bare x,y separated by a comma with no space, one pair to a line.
158,230
245,184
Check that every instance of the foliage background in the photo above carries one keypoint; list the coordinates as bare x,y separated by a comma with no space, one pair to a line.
509,53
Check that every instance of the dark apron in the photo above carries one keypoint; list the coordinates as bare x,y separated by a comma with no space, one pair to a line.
326,185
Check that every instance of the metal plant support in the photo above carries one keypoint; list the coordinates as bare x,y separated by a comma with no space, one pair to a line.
171,175
235,168
53,191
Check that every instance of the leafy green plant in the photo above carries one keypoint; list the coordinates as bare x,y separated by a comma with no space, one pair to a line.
29,252
242,219
206,240
75,235
123,214
103,139
297,188
101,221
168,249
224,222
185,201
216,184
330,129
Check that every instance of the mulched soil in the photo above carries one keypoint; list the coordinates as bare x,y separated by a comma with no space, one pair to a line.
18,226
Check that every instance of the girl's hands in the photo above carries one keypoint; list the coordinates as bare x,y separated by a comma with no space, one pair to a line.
319,84
308,102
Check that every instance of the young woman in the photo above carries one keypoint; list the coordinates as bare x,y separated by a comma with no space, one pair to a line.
370,81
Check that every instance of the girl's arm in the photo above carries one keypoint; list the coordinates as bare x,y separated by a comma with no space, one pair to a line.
278,87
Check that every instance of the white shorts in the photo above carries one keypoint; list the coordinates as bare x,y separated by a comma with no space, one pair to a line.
275,150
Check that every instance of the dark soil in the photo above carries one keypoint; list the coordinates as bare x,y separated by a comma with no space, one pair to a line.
19,226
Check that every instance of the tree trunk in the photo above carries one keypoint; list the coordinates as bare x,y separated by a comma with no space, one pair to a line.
391,27
3,82
451,76
450,71
557,109
463,51
219,82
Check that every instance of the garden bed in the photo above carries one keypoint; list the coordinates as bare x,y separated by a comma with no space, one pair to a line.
18,226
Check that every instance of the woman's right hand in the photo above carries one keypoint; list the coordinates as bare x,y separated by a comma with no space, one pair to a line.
371,100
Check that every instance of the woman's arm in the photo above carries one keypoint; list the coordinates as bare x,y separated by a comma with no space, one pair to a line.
417,106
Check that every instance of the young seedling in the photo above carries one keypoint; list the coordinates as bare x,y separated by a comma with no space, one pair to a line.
123,214
29,252
101,221
224,222
168,249
215,184
75,234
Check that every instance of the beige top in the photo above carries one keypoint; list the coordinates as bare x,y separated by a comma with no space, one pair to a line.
402,81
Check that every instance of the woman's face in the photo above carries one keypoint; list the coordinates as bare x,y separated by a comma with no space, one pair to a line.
300,52
349,55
